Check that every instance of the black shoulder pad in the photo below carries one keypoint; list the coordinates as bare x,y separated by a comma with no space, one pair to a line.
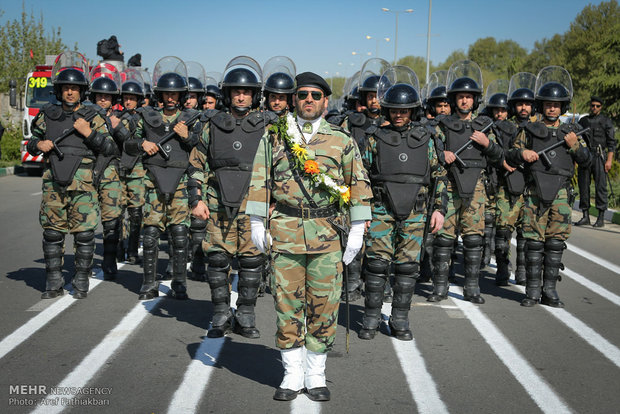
371,130
537,129
389,136
507,127
187,114
253,122
270,117
86,111
357,119
152,117
224,121
52,111
419,132
481,122
207,114
570,127
452,123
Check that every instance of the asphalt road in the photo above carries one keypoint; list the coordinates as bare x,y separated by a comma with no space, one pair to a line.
111,353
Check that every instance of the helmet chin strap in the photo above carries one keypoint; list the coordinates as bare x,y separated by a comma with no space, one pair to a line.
241,110
551,118
280,112
374,111
464,111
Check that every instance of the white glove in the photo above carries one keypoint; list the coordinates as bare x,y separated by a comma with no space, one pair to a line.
354,241
258,234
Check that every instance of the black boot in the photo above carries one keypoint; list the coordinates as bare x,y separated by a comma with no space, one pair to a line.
534,252
217,276
53,245
178,242
487,240
404,286
375,274
472,255
110,246
553,264
120,248
354,279
502,252
133,240
442,252
520,271
250,274
84,252
600,220
584,220
150,250
426,268
198,230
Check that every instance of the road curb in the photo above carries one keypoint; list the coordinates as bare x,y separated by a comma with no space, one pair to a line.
610,215
11,170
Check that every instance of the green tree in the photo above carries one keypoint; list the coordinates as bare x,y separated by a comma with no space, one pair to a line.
17,39
500,58
418,64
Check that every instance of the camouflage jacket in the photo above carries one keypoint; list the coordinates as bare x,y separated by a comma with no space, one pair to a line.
339,156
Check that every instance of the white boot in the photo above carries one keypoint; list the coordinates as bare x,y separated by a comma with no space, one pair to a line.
315,376
293,363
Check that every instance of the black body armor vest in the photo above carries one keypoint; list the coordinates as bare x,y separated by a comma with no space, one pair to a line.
232,147
358,126
128,161
402,167
506,132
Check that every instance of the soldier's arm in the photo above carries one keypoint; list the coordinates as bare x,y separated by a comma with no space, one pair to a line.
356,177
439,173
36,145
133,146
580,152
123,131
494,151
99,139
514,155
610,139
259,192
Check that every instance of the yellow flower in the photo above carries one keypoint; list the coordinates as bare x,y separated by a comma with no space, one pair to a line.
346,196
299,151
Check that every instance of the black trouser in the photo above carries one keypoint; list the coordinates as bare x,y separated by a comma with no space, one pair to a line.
595,170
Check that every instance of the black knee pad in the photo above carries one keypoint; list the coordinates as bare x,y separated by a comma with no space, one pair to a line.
135,214
489,219
503,233
84,238
471,241
554,245
110,229
197,225
441,241
219,260
377,266
53,236
151,237
410,268
178,236
534,246
251,262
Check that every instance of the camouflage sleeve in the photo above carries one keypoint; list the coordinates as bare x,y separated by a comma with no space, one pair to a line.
494,151
356,177
122,132
100,139
580,153
133,146
259,193
38,133
368,155
514,155
198,156
439,173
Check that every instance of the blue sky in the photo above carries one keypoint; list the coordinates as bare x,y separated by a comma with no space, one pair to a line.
319,35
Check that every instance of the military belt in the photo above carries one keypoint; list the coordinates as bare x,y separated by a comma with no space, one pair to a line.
306,212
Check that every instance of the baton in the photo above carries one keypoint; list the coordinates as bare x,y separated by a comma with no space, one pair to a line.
467,144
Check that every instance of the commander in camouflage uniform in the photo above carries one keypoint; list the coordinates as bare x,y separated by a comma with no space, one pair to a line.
547,209
307,255
69,201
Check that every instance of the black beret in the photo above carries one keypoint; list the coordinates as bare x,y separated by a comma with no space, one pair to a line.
594,98
314,80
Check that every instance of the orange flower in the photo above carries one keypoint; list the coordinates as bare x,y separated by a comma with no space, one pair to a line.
311,167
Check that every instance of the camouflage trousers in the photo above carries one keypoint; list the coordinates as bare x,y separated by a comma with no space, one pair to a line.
162,213
554,223
133,186
509,213
110,193
464,219
306,289
69,211
233,238
395,241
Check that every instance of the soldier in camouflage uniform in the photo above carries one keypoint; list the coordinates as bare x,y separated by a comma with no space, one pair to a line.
466,194
402,159
307,255
547,209
223,161
104,92
132,169
69,201
167,162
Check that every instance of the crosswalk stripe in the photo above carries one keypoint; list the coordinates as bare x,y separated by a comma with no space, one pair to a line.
593,258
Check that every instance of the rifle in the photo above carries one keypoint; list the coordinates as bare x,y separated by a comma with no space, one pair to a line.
171,134
345,275
429,213
467,144
89,117
599,151
543,152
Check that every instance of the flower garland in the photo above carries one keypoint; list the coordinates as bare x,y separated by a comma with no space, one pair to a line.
286,128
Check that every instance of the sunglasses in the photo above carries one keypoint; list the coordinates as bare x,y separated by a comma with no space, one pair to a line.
595,105
316,95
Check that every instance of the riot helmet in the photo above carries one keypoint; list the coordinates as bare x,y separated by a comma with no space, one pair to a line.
105,79
436,91
553,84
464,76
212,90
133,84
521,89
368,81
398,89
280,72
170,75
242,72
196,77
70,68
